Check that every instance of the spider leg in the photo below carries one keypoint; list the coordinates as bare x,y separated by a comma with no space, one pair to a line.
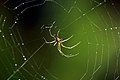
68,56
50,33
71,46
49,42
50,29
67,39
55,44
58,32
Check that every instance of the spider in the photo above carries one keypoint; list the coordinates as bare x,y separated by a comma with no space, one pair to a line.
58,41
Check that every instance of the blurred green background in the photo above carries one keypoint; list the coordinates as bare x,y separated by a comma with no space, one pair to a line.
25,56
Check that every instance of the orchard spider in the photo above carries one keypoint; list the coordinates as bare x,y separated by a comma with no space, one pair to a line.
58,41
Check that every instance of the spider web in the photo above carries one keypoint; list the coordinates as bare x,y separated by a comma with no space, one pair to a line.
25,56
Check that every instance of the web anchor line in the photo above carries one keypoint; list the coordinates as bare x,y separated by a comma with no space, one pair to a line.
25,62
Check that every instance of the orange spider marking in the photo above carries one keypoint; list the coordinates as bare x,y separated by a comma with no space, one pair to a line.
58,39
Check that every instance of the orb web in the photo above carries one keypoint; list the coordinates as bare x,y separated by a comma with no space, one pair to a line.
25,56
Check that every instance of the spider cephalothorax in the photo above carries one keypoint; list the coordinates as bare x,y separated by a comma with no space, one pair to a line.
58,41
